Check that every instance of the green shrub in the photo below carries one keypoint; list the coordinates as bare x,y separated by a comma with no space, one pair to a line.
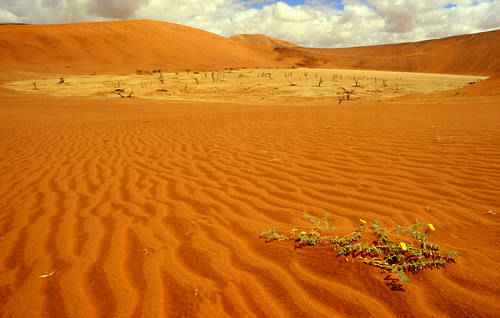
399,251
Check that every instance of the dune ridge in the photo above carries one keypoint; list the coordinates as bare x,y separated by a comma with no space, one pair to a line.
262,39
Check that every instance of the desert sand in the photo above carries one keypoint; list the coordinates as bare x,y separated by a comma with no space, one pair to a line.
153,206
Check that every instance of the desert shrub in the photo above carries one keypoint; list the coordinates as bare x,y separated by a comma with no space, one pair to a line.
399,251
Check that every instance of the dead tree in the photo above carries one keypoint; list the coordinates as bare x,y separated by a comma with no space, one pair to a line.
346,93
123,96
61,80
341,98
356,81
320,81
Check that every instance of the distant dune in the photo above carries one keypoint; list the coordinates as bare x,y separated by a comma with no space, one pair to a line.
124,46
262,39
474,54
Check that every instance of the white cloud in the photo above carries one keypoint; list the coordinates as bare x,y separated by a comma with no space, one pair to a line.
315,23
284,12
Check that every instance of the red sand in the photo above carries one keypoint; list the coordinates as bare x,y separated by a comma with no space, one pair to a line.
152,208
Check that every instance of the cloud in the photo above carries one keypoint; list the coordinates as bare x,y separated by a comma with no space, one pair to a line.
284,12
115,9
313,23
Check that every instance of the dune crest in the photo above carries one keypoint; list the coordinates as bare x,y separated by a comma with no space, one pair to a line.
262,39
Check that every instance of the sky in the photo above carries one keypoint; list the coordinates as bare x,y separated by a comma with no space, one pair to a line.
309,23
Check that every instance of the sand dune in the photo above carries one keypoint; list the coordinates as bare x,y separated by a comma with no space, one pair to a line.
124,46
474,54
487,87
139,207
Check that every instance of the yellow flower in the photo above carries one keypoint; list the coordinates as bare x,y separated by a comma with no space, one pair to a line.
403,246
363,221
431,227
303,232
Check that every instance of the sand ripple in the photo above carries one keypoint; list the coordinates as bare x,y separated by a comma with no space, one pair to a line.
155,209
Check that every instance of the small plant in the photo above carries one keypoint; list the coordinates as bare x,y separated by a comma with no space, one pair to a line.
402,250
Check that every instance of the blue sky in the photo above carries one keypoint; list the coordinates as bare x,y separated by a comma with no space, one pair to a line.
310,23
261,4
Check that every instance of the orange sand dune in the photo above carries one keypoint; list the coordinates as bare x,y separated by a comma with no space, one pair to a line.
124,46
130,207
474,54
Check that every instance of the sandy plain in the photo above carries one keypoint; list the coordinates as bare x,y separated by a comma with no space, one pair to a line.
152,206
248,85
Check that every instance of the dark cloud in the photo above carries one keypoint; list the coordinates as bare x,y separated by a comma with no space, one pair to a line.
115,9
